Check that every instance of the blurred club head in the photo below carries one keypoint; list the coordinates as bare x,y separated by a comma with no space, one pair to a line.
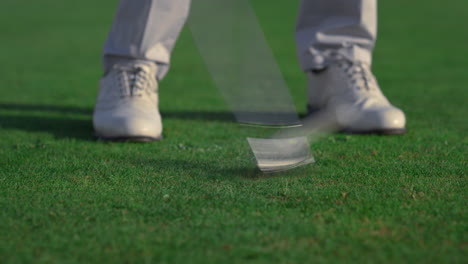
280,154
289,147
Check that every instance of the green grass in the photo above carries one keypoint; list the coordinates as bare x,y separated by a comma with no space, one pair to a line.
196,196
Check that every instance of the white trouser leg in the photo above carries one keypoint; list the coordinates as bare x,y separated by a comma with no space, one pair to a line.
146,30
349,25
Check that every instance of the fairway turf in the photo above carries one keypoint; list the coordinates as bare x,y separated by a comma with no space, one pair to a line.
195,197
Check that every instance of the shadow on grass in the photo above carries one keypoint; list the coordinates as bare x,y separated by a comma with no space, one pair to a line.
214,169
59,127
183,115
209,170
46,108
79,126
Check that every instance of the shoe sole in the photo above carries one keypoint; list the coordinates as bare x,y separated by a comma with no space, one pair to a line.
382,132
137,139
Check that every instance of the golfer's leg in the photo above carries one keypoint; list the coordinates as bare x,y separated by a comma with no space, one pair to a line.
322,25
136,55
146,30
338,36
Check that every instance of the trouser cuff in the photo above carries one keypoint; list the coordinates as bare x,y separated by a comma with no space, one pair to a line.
159,56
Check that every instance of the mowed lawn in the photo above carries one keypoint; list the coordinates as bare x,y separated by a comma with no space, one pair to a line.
196,197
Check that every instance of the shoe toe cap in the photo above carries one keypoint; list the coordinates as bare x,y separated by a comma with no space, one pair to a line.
377,120
391,118
127,126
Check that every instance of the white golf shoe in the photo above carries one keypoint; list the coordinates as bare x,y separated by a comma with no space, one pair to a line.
349,91
127,104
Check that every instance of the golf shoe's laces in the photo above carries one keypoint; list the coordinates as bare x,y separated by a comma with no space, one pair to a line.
133,81
359,74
